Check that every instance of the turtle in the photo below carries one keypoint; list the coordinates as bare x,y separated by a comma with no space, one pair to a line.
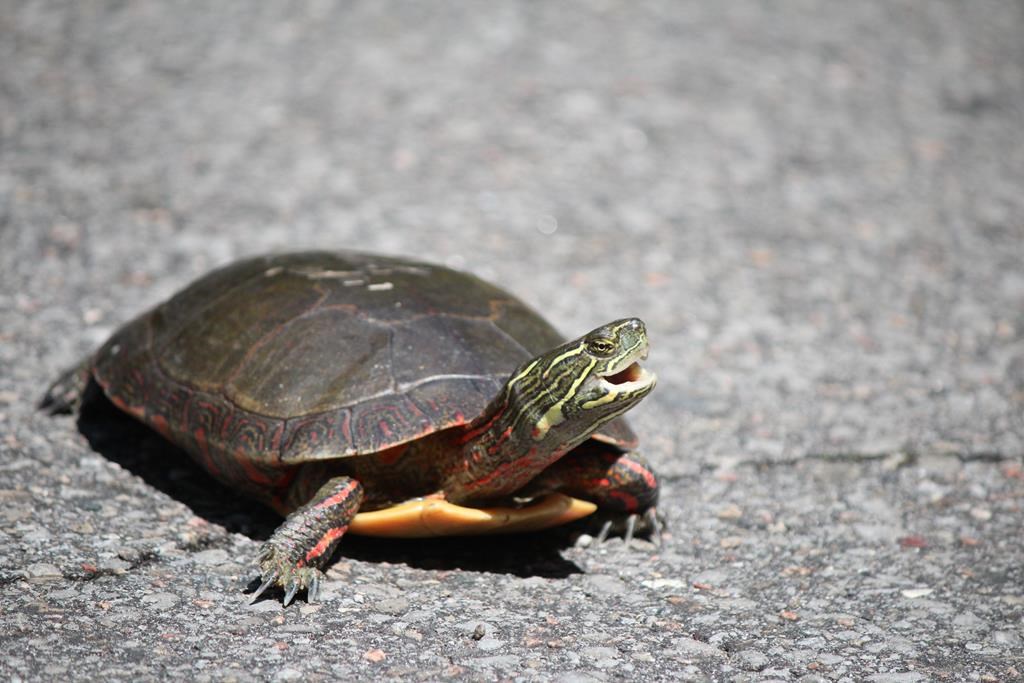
380,395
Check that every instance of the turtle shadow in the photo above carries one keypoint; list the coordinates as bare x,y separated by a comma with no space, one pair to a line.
127,442
521,555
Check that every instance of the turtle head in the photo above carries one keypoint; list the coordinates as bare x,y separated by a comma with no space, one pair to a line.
550,405
565,395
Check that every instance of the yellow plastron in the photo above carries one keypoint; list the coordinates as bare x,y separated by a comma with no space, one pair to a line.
435,517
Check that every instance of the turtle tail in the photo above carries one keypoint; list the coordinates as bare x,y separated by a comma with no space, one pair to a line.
65,395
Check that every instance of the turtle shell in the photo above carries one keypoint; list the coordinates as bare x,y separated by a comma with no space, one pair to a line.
279,360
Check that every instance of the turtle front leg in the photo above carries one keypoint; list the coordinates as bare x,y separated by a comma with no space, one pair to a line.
623,485
294,555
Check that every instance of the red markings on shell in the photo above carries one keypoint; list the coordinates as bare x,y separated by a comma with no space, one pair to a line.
380,423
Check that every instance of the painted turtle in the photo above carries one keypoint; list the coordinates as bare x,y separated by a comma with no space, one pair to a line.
429,402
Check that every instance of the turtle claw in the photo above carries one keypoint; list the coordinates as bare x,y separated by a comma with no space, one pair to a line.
655,521
279,571
630,525
267,582
630,530
293,588
627,534
313,590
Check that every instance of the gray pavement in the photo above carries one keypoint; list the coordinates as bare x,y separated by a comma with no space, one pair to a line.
816,207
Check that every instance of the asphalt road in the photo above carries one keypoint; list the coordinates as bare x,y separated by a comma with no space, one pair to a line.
816,207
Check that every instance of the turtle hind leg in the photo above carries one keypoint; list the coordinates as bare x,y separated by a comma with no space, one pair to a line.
65,394
297,551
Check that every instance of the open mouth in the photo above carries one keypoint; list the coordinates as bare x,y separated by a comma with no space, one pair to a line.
632,377
631,374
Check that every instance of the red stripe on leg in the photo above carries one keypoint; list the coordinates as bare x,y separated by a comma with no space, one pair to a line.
325,542
338,497
647,475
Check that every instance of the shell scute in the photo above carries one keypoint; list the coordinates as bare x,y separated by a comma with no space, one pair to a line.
204,337
388,421
324,360
439,346
313,437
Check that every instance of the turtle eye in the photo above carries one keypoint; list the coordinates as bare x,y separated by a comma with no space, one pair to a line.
602,346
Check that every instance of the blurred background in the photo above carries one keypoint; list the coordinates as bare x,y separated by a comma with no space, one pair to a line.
816,207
